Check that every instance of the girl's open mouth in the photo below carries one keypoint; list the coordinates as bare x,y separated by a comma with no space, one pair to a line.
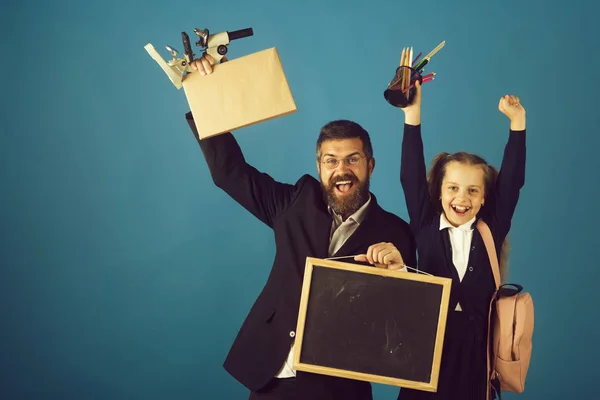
460,210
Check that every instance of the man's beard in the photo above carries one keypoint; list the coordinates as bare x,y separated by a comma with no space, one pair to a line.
346,205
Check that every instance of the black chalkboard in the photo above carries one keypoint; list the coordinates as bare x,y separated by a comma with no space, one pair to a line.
371,324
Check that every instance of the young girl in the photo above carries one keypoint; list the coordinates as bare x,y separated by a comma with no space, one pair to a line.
444,206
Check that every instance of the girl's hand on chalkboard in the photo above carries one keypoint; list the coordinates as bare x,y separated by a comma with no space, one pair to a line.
382,255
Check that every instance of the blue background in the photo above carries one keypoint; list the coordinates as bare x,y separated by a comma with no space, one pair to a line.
125,273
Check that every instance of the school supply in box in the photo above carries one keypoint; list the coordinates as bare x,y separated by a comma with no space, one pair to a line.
401,90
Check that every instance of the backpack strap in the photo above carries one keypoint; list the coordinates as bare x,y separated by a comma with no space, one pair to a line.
493,388
488,240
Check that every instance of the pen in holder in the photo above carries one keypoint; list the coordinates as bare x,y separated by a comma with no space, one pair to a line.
401,90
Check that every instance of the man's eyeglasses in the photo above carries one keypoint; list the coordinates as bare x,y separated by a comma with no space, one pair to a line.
333,163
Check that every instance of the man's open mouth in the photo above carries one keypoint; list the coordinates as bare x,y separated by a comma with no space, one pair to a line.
343,186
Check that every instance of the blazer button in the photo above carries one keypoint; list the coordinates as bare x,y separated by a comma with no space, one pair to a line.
470,268
292,334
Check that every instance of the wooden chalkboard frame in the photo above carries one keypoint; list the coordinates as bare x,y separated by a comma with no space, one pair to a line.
445,284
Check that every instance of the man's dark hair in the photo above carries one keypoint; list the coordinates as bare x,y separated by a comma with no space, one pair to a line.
344,129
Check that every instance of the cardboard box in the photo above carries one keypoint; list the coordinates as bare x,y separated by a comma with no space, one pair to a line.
240,92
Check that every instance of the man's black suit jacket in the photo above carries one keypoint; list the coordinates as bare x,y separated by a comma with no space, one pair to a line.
301,223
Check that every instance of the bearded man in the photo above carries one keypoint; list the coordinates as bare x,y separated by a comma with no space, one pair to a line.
334,216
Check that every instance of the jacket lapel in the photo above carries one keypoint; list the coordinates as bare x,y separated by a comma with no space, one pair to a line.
445,244
476,258
320,231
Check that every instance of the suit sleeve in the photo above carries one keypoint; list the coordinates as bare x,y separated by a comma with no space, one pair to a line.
257,192
413,177
511,178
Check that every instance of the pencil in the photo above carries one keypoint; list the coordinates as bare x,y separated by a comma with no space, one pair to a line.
402,71
417,57
438,48
426,59
413,85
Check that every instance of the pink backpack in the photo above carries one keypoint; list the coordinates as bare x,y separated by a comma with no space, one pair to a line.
511,328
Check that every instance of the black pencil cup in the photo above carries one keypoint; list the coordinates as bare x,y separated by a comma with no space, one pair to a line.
401,90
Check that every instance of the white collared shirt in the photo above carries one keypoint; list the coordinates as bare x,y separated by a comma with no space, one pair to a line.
340,232
460,240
